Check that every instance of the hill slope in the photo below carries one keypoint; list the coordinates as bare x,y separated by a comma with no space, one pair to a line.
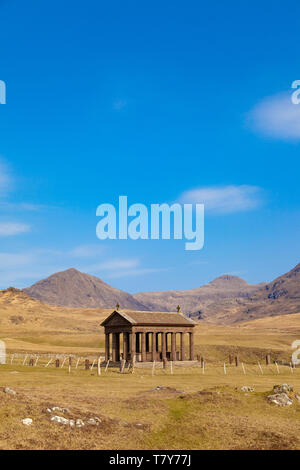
71,288
279,297
199,299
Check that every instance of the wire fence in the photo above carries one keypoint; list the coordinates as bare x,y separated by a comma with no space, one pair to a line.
72,363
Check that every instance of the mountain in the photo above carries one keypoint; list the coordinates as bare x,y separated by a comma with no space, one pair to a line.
71,288
279,297
197,301
225,300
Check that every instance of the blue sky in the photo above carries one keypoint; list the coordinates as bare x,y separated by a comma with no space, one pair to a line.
160,101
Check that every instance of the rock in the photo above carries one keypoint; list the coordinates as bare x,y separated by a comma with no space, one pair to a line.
60,420
123,423
27,421
297,397
79,423
10,391
93,421
281,399
245,388
283,388
60,410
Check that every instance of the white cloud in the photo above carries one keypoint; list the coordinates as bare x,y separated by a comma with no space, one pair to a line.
276,117
118,267
225,199
86,251
13,228
11,260
135,272
115,265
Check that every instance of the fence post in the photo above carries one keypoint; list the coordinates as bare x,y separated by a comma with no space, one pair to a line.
99,365
122,365
237,362
87,364
133,364
57,363
49,362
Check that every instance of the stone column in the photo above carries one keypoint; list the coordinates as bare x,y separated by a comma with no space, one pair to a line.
107,357
147,342
163,345
154,346
133,343
117,347
191,346
182,347
173,346
156,337
125,345
137,342
114,347
143,347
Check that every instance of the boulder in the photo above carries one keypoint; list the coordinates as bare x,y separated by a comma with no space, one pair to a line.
27,421
245,388
281,399
10,391
79,423
60,420
283,388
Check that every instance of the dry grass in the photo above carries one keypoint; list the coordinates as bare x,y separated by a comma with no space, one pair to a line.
213,414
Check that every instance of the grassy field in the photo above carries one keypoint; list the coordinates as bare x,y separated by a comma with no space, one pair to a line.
194,411
212,413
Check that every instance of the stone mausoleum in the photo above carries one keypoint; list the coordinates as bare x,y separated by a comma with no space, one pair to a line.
148,336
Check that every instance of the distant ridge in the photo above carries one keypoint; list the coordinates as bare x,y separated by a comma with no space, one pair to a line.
225,300
196,301
279,297
72,288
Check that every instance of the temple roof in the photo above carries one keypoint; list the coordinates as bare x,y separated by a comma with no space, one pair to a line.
136,318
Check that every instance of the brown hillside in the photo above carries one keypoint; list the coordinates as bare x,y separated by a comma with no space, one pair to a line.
71,288
279,297
199,299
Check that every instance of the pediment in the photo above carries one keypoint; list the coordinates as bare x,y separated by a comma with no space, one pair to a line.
116,319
